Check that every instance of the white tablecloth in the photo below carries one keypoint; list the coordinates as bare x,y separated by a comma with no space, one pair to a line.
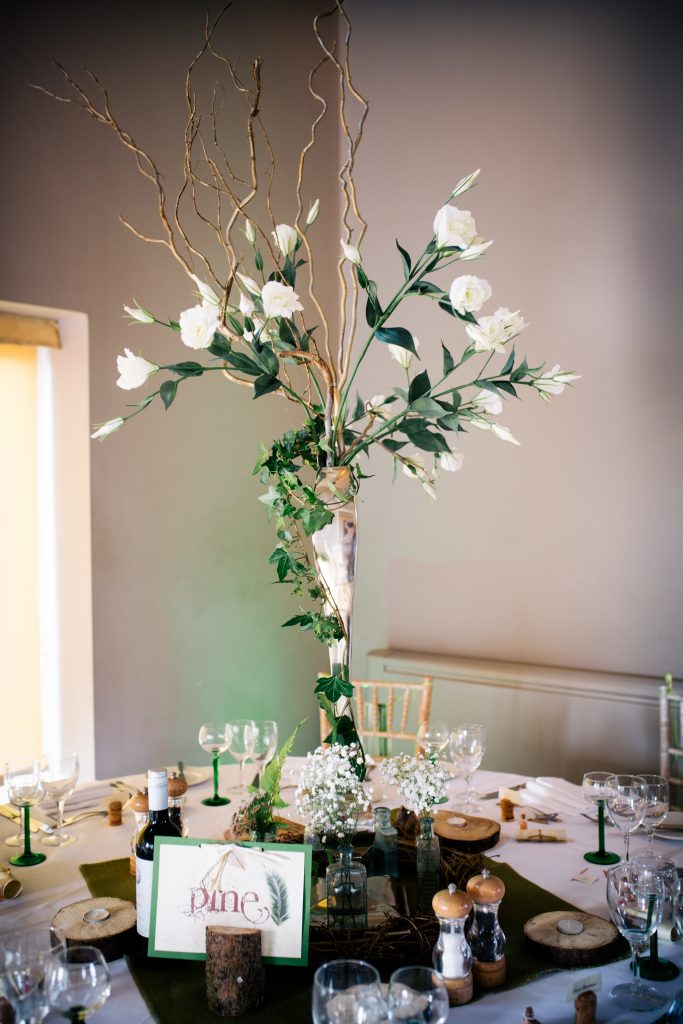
56,882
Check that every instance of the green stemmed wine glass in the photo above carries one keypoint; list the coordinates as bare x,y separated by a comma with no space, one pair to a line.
215,739
594,793
653,967
25,789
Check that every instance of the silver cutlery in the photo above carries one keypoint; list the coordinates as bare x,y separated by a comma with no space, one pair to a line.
34,824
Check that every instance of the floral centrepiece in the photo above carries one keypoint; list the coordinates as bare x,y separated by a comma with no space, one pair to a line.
330,794
420,781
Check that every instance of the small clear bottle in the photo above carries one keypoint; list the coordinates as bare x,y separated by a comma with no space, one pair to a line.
452,956
384,856
486,937
428,864
346,892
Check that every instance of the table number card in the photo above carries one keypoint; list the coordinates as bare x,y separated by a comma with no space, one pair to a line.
198,882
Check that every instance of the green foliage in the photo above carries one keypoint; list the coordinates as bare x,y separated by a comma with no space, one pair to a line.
279,900
272,773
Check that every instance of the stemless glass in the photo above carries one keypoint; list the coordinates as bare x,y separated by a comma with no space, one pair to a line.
25,955
25,790
433,737
214,739
636,902
241,734
77,982
417,995
594,793
59,773
653,967
626,798
347,991
467,746
657,804
263,747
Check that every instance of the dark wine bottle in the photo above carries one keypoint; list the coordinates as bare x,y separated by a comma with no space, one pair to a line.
158,824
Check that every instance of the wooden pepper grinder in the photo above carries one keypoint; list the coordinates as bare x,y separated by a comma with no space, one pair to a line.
140,807
452,954
486,937
177,788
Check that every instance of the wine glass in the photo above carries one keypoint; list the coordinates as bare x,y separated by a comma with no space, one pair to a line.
657,804
215,739
652,967
24,958
467,746
59,773
626,798
433,737
636,902
417,995
264,746
77,982
594,793
241,735
347,992
25,789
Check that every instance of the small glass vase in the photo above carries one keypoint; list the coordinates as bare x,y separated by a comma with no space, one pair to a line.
347,892
428,864
384,853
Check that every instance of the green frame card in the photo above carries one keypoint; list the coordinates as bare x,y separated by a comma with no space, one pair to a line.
207,881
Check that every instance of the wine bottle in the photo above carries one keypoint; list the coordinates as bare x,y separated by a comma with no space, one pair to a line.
159,824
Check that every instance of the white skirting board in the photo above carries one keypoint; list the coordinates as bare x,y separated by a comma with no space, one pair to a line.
539,720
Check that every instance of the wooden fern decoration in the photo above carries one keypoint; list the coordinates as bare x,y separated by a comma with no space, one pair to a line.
279,907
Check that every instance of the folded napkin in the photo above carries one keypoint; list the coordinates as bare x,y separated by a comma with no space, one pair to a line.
84,798
562,795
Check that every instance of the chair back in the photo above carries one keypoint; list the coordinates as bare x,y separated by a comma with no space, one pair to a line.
387,712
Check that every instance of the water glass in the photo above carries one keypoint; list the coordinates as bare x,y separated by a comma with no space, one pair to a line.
626,798
25,790
59,774
77,982
653,967
433,737
25,955
347,992
636,902
241,736
417,995
593,787
467,747
214,739
657,804
264,746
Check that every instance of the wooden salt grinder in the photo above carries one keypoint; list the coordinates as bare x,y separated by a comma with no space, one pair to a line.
235,976
585,1007
452,955
486,936
140,808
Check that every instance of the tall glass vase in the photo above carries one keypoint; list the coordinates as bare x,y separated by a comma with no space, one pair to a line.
347,892
428,864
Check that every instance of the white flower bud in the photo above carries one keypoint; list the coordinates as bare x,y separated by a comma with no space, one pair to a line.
312,215
249,232
139,314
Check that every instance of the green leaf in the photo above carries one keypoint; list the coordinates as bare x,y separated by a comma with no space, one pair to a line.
243,363
448,422
270,779
427,407
289,272
269,360
220,347
258,260
334,687
405,259
187,369
298,620
174,325
392,445
448,361
425,288
235,324
315,518
397,336
373,311
265,384
509,364
447,307
168,392
359,408
362,277
507,387
419,386
424,439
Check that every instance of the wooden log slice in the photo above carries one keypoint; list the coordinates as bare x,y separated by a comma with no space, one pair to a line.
235,976
114,936
598,942
476,835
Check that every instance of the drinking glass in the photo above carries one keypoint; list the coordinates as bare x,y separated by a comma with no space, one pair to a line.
594,793
241,735
652,967
25,955
657,804
264,746
636,902
59,773
214,739
347,992
433,737
417,995
25,789
626,799
467,746
77,982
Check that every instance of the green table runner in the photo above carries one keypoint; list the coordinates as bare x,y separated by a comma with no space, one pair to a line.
174,989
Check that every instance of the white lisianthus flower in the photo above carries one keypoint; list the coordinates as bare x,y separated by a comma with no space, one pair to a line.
351,252
472,252
139,314
250,284
206,292
465,183
554,382
512,323
468,293
486,401
286,239
376,403
312,215
402,356
108,428
413,466
197,326
249,232
454,227
135,370
279,300
450,461
488,335
247,307
504,433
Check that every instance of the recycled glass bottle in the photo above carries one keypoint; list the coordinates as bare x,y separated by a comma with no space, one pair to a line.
428,864
347,892
384,857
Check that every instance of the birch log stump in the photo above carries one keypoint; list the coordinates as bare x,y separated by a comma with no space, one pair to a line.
235,976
